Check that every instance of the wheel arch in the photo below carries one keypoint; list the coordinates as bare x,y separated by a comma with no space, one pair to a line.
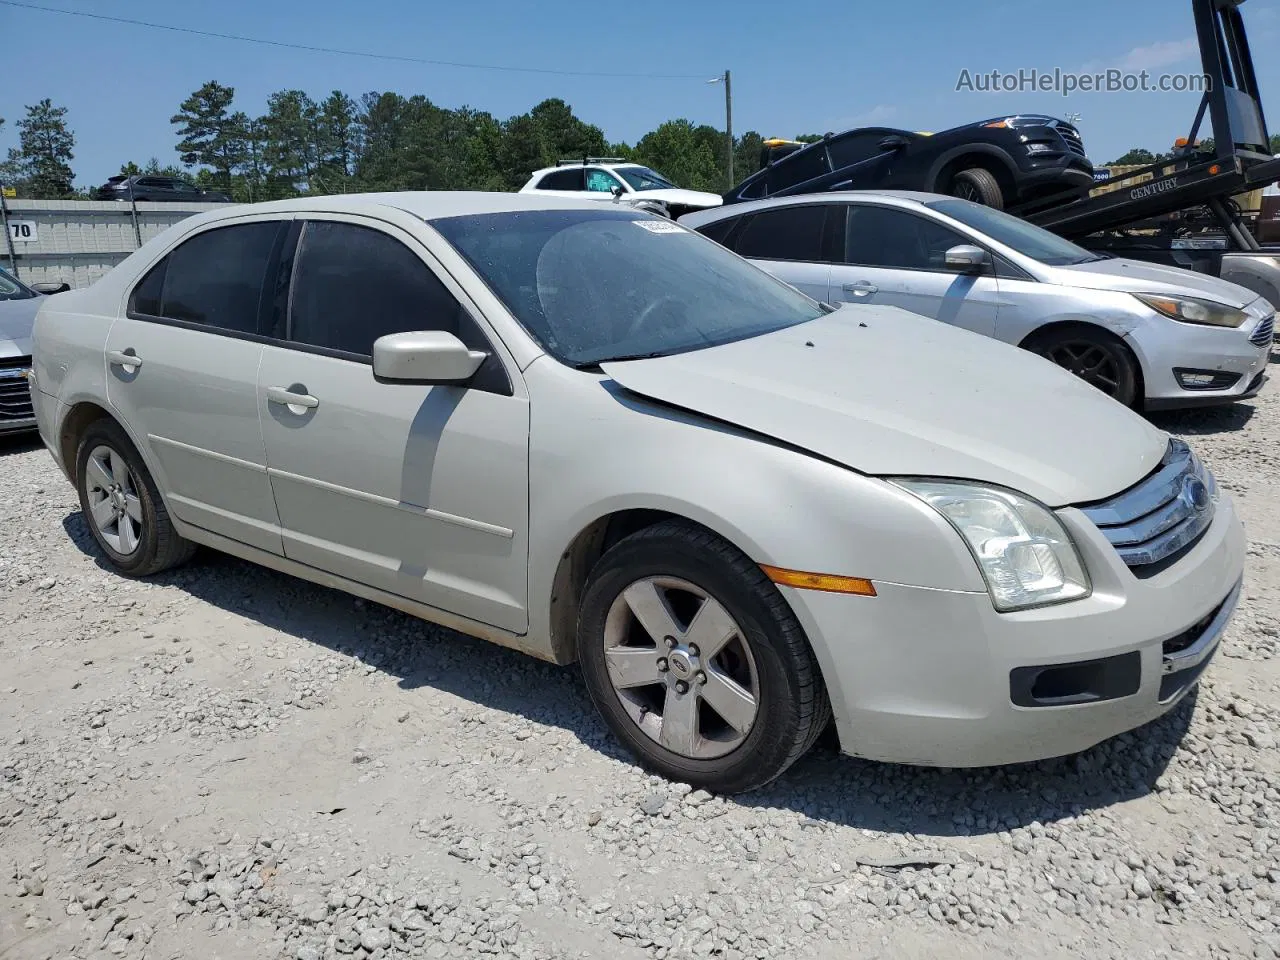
580,555
1066,325
78,419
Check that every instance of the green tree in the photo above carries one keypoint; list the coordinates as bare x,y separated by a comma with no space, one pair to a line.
212,135
1139,156
680,151
338,137
290,130
41,163
746,155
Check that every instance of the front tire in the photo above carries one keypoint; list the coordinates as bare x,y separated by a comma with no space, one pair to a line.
979,186
1097,357
122,506
696,662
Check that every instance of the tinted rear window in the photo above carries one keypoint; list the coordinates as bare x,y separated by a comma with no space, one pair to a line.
214,279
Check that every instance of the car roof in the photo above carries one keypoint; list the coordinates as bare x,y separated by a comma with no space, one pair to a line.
900,198
426,204
592,163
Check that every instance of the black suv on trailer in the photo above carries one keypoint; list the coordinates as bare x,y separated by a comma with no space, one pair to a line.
157,189
1000,162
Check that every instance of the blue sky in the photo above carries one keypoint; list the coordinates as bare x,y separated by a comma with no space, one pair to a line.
798,66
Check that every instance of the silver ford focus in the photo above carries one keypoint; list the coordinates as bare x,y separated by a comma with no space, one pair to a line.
593,435
1150,336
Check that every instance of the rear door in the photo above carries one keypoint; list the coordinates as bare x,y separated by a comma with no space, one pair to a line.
858,157
791,243
182,372
896,257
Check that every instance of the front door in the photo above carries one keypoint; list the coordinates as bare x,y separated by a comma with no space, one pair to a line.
183,375
789,242
896,257
421,491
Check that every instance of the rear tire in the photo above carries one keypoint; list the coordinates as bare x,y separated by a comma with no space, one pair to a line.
726,702
978,185
1096,356
122,507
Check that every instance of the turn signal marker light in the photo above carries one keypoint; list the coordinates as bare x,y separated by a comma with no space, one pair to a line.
827,582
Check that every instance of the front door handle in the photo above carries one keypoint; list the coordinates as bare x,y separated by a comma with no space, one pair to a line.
123,358
283,395
861,288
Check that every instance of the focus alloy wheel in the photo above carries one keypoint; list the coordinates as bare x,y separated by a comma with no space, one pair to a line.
1090,362
114,507
681,667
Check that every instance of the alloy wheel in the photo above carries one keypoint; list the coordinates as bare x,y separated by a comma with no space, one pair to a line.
115,509
1090,362
681,667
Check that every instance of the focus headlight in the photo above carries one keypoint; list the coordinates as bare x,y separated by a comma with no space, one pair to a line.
1191,310
1022,549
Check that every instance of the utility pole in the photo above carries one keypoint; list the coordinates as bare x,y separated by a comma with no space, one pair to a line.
728,116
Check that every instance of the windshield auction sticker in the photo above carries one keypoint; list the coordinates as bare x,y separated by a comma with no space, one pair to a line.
659,226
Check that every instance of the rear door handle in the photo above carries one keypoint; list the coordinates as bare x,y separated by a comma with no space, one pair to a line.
860,288
123,358
283,395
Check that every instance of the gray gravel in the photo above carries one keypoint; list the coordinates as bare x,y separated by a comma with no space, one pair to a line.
226,761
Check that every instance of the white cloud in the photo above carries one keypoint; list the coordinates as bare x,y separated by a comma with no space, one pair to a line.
1154,56
877,115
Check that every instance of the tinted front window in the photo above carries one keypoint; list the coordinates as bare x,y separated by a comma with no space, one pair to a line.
786,233
887,237
597,285
719,231
601,181
855,148
214,279
1028,239
562,180
800,166
352,285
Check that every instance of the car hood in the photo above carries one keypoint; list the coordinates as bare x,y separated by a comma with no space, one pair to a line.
16,320
1135,276
679,197
886,392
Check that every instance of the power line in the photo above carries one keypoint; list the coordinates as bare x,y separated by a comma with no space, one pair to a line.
350,53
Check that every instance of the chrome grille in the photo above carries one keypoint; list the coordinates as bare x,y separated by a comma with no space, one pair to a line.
1072,137
1265,332
15,391
1165,513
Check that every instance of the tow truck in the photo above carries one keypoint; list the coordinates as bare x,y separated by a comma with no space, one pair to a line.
1180,211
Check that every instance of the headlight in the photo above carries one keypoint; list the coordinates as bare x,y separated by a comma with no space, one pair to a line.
1025,555
1191,310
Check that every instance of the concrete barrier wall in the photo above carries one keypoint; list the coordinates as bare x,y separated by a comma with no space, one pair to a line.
80,240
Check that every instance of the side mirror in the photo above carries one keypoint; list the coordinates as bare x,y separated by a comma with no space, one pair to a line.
893,142
617,191
48,289
966,257
426,357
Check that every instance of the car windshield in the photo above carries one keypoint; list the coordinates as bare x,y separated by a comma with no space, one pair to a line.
1027,239
11,289
642,178
593,286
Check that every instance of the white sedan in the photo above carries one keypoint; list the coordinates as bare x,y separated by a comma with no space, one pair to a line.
593,435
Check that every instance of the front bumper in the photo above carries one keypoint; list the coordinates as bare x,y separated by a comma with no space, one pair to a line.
926,676
1164,346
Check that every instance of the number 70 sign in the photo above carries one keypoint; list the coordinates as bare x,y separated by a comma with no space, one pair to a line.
22,231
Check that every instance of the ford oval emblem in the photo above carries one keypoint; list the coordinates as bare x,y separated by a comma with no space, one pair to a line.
1195,494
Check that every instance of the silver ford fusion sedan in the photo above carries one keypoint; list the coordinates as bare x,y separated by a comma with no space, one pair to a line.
1148,335
593,435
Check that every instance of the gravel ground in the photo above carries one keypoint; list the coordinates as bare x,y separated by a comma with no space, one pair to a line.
227,762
